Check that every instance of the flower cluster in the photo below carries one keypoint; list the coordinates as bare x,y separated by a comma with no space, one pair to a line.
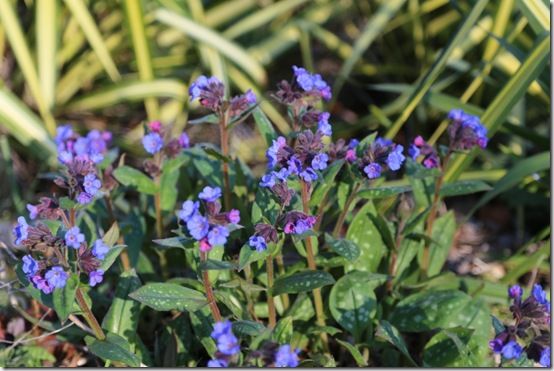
227,344
70,145
532,326
381,155
153,142
286,356
213,228
311,83
466,131
429,154
51,270
211,94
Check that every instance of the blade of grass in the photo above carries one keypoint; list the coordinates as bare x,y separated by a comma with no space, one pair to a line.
20,48
47,44
227,11
228,48
373,28
24,125
427,80
79,10
128,91
496,113
537,13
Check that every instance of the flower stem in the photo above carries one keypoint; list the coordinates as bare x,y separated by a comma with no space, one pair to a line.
224,139
209,291
89,316
248,293
270,302
342,216
318,300
281,266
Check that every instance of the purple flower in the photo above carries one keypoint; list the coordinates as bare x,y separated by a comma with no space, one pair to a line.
308,175
319,162
152,143
272,151
414,151
20,231
198,226
301,226
282,174
496,345
184,140
294,166
188,209
30,265
217,363
515,292
373,170
210,194
233,216
456,115
65,157
33,211
250,97
396,158
268,180
41,284
512,350
545,357
198,86
56,277
218,235
100,249
95,277
92,184
74,238
303,78
323,124
63,133
257,242
353,143
227,343
286,357
539,294
84,198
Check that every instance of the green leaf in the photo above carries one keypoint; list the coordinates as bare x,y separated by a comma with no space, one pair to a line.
168,296
64,298
249,255
326,182
352,301
113,348
343,247
391,334
179,242
250,328
210,265
354,352
366,236
382,192
202,325
122,317
463,188
536,13
168,182
497,325
453,348
112,235
282,333
264,206
133,178
301,282
443,235
111,256
47,45
264,126
428,310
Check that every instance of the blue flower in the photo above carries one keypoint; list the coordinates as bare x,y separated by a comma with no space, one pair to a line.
20,231
227,343
217,363
257,242
198,226
515,291
353,143
100,249
65,157
301,226
496,345
294,165
250,97
457,115
539,294
218,235
74,238
92,184
396,158
272,151
303,78
184,140
323,124
152,143
30,265
56,277
84,198
41,284
286,357
308,175
95,277
545,357
282,174
319,162
414,151
188,209
512,350
268,180
373,170
63,133
210,194
198,86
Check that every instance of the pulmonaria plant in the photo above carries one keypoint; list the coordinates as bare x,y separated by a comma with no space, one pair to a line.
212,228
530,332
158,142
